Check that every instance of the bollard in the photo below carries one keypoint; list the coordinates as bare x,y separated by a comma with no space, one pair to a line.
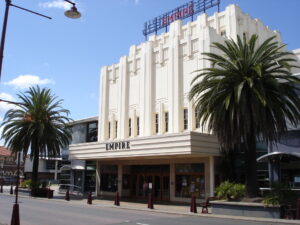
67,198
49,193
89,198
15,191
193,204
298,209
11,190
150,200
117,199
15,219
1,188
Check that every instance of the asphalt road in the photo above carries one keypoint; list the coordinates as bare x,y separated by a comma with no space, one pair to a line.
50,212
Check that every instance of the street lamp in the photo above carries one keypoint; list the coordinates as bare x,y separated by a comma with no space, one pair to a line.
72,13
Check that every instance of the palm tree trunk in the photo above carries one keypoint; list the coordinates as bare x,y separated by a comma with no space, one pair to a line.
35,169
251,168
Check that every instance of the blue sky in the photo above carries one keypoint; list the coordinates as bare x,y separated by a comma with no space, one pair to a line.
66,55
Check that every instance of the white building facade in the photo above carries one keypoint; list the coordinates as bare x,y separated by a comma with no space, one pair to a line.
148,132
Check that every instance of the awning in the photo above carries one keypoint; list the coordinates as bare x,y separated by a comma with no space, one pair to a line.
279,155
66,167
285,151
78,164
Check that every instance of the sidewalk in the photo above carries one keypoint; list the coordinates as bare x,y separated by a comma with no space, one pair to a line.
159,208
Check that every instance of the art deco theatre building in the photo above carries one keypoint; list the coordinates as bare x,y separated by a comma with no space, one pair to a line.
148,131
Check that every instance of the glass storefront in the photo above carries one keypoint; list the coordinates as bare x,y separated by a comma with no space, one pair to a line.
109,178
190,180
154,178
139,180
90,176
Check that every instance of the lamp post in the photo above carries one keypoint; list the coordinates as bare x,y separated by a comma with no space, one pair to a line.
72,13
15,218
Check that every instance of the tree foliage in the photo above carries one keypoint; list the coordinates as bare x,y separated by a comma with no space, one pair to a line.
248,94
38,126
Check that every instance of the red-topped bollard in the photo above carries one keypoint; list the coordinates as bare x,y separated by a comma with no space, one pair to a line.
49,193
117,199
67,197
150,200
298,209
11,190
193,204
89,198
15,219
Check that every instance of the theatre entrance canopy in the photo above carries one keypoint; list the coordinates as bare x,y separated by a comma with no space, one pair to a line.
190,144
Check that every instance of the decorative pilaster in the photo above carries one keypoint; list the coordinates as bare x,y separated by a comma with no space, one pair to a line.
124,99
104,105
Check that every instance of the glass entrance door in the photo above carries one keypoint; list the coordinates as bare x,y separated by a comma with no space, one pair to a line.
157,187
154,178
158,184
166,188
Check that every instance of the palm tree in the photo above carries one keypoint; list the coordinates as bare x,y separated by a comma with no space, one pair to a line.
38,126
247,95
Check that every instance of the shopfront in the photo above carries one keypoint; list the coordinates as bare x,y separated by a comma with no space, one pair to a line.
166,181
172,172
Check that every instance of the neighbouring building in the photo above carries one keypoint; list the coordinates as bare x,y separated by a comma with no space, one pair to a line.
49,168
8,166
80,174
284,157
148,131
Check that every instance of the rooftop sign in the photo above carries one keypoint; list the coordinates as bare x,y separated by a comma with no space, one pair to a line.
187,10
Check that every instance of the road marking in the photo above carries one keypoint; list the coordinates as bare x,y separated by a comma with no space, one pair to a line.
142,224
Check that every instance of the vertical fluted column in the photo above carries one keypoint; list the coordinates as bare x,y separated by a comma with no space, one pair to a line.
103,105
123,100
149,91
175,78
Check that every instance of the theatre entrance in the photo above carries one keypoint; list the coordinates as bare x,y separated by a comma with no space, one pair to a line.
155,178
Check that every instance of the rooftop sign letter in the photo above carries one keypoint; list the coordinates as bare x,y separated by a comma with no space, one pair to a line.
187,10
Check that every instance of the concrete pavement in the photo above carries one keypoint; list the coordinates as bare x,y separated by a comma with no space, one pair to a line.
171,209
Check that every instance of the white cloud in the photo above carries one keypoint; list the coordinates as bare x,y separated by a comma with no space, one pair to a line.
5,106
26,81
59,4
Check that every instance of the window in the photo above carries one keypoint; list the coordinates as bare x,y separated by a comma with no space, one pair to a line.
223,33
129,127
156,123
167,121
108,129
185,119
109,178
116,129
138,126
189,179
92,132
50,164
90,176
197,119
